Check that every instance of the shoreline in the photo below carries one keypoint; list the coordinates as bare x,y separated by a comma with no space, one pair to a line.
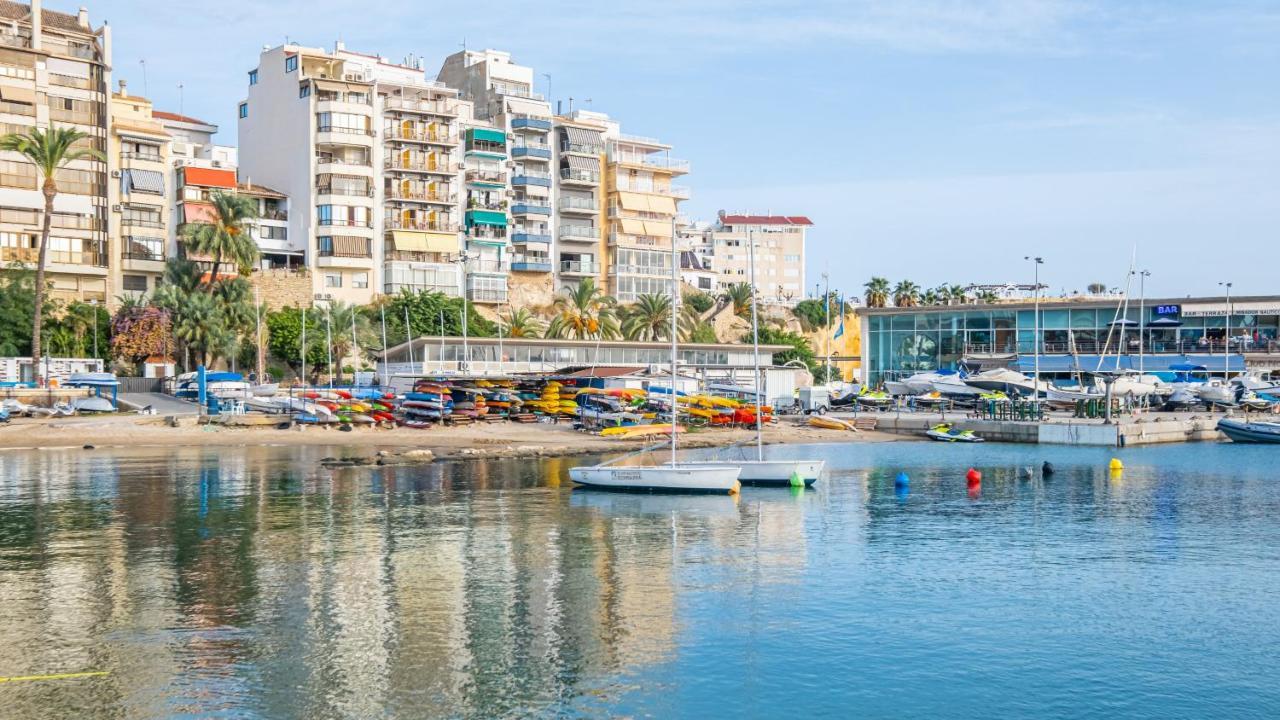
445,443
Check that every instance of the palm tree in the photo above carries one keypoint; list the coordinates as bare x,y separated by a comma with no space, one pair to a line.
341,316
988,296
741,295
584,312
877,292
956,294
50,151
930,297
906,294
227,236
649,319
520,322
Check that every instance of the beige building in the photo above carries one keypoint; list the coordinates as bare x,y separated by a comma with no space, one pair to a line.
641,207
140,193
779,253
55,69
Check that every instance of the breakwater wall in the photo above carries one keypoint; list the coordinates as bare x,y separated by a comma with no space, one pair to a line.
1147,431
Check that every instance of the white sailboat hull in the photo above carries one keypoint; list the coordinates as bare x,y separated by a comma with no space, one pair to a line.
661,478
772,472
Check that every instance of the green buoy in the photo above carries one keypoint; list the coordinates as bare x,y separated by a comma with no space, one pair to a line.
796,480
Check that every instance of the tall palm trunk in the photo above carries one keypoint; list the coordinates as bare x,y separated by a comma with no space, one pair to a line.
213,274
50,191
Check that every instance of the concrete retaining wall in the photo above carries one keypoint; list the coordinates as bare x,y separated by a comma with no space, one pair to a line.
1094,434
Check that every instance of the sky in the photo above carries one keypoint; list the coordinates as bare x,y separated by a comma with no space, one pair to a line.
932,140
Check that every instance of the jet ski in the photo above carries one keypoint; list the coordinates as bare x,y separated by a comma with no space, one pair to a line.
946,432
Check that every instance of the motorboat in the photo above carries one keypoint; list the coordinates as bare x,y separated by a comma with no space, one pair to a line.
1243,431
898,388
93,404
1005,380
222,385
1259,385
1218,391
946,432
1182,398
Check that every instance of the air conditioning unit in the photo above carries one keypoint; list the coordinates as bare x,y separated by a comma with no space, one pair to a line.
115,208
115,173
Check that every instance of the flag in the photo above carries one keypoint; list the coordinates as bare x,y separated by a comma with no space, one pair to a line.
840,329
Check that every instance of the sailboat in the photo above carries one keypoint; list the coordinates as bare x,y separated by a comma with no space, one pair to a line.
673,476
761,471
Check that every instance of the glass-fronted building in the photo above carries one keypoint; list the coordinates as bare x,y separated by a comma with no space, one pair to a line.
1074,334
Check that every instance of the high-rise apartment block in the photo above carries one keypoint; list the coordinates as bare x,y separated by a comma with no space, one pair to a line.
55,69
779,248
139,193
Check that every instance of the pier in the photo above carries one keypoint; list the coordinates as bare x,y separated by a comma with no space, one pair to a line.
1125,432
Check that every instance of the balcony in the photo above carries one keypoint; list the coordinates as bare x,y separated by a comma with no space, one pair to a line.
427,107
528,177
530,263
338,130
617,238
579,205
148,222
344,222
540,152
486,177
422,166
530,208
581,233
279,215
129,158
579,267
342,192
437,198
488,267
486,295
337,165
657,161
422,136
526,237
397,223
14,108
581,148
581,177
487,234
529,122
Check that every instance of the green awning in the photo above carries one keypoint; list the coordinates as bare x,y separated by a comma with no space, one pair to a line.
493,136
486,217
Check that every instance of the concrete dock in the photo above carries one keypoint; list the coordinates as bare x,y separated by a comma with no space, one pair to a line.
1148,429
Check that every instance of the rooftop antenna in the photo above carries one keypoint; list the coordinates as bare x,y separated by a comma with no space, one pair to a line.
143,63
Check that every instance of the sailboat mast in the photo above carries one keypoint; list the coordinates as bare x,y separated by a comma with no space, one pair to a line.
755,344
675,301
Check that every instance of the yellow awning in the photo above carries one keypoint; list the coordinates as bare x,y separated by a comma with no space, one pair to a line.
662,204
658,228
424,241
633,201
632,226
18,94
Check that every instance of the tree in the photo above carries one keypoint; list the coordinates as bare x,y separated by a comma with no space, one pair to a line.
930,298
954,294
987,296
815,313
341,316
50,151
584,312
140,331
906,294
649,319
800,348
209,319
877,292
1097,288
227,236
17,300
741,295
703,332
520,323
426,310
699,301
284,337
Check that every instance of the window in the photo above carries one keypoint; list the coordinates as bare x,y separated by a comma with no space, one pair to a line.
17,174
272,232
304,90
291,64
360,280
253,77
143,248
244,110
333,280
342,122
135,283
791,258
81,182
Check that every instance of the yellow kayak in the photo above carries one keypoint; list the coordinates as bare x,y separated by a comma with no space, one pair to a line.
827,423
639,431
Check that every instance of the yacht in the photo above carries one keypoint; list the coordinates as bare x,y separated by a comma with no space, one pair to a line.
1008,381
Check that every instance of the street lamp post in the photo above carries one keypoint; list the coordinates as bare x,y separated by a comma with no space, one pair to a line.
463,259
94,304
1142,319
1226,334
826,335
1036,339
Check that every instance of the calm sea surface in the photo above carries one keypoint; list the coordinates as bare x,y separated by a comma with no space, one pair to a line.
247,583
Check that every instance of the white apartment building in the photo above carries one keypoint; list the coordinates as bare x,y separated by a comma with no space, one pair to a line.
697,256
779,246
580,223
140,193
367,152
55,68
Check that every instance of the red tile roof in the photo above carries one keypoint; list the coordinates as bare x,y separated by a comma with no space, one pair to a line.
51,18
162,115
259,190
765,220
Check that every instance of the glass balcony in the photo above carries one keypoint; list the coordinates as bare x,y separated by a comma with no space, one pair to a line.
530,208
528,177
524,237
486,177
578,205
579,176
529,122
531,263
542,152
579,267
578,232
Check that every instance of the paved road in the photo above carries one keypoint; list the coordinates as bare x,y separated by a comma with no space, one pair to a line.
164,404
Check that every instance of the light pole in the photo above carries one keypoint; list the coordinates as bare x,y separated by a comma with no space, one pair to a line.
1142,319
1035,340
328,334
94,304
826,335
463,259
1226,334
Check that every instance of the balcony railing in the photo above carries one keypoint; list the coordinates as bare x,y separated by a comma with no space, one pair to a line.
345,191
489,177
444,168
530,208
14,108
403,224
416,256
531,151
493,267
475,204
147,157
423,136
337,160
581,148
580,267
142,222
641,240
433,107
526,178
143,255
344,222
675,191
515,92
486,295
274,215
400,194
531,263
364,132
580,176
523,237
583,232
477,233
569,204
530,122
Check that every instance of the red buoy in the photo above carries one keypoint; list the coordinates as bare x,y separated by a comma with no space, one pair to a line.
973,476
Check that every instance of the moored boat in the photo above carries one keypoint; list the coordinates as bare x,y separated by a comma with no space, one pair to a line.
946,432
1243,431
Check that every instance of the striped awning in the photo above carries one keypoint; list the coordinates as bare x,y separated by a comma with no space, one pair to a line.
150,181
584,163
582,136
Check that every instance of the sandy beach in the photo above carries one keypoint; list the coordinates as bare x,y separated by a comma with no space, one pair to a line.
495,440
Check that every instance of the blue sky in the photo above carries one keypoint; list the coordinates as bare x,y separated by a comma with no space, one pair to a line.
934,140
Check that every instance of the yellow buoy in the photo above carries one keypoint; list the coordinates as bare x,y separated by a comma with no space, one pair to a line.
1116,464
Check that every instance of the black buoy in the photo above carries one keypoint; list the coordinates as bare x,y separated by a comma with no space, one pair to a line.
88,447
1047,469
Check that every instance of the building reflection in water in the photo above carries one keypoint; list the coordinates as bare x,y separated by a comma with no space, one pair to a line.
252,582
